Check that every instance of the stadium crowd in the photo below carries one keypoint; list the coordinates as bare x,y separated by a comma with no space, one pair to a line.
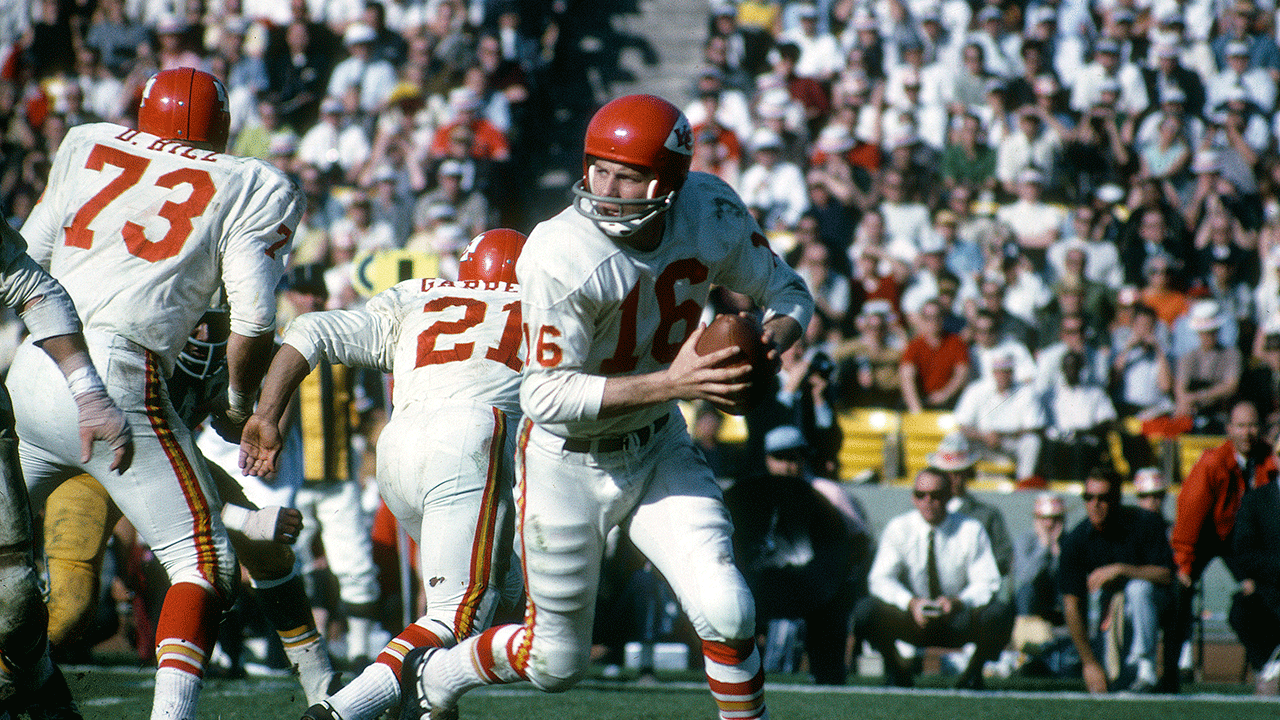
1059,219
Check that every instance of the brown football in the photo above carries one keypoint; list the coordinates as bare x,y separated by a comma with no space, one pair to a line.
729,330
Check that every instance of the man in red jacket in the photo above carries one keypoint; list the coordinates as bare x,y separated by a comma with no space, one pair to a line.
1207,507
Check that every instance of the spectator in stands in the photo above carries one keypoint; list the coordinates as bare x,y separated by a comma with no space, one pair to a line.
1036,224
1255,610
967,158
992,299
906,219
471,209
868,362
934,583
371,78
298,72
1160,292
1080,419
1003,419
773,187
1208,376
1141,377
935,365
336,145
486,143
958,465
988,345
1115,570
1032,145
1073,336
1208,503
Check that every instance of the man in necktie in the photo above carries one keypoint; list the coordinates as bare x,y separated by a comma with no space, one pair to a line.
933,583
1207,507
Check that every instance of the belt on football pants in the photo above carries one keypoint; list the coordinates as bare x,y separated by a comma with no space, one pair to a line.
614,444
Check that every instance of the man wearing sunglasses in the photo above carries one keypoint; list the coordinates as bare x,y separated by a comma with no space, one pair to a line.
1115,571
933,583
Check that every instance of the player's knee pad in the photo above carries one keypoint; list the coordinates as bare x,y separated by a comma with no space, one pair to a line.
723,609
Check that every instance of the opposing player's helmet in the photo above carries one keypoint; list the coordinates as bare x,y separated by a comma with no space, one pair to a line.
644,131
206,349
185,104
491,256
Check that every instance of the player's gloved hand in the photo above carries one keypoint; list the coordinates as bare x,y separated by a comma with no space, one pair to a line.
101,419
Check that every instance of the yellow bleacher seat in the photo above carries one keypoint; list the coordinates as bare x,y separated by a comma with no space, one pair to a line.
921,433
1191,447
869,433
733,428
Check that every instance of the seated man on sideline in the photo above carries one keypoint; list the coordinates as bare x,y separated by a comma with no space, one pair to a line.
803,547
958,466
933,583
1115,570
1255,610
1036,594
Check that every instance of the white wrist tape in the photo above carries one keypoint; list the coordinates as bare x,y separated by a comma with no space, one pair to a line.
85,380
239,405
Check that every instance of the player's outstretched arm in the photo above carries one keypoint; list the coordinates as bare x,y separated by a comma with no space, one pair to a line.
100,418
689,377
260,442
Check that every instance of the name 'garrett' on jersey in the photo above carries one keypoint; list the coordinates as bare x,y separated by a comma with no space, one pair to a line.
143,231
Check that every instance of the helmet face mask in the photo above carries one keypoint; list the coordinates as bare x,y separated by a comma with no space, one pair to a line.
644,132
188,105
206,350
491,257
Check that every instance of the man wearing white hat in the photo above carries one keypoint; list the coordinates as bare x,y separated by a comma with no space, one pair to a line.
370,78
1001,418
957,464
1207,377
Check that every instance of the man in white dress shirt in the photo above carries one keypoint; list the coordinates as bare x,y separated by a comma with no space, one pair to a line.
1002,418
933,583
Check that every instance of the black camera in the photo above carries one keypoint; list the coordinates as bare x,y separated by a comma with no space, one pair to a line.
822,365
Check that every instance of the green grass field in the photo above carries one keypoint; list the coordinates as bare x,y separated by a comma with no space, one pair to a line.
112,693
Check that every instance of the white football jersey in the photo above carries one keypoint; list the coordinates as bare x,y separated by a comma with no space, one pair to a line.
594,308
142,232
438,338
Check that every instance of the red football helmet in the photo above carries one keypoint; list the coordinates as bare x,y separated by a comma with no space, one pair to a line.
185,104
644,131
491,256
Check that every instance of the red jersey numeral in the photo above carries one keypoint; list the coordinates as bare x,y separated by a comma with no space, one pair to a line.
179,214
663,347
506,352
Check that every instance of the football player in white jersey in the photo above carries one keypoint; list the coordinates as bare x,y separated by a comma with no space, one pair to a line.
142,227
445,457
29,682
613,289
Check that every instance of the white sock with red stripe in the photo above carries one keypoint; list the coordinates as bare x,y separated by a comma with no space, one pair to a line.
378,687
185,634
736,679
485,659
